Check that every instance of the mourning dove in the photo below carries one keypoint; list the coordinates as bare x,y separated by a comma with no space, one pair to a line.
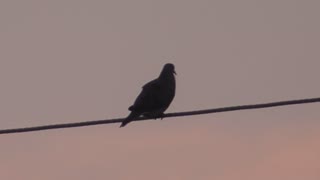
155,96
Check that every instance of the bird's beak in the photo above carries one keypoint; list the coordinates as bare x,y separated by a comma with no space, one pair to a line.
174,72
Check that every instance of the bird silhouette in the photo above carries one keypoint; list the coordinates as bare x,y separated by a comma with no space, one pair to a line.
155,97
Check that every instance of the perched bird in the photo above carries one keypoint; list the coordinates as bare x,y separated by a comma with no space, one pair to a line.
155,96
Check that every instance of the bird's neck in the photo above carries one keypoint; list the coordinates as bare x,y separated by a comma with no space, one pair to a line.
167,77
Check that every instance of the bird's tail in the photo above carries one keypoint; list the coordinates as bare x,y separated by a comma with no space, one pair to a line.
130,117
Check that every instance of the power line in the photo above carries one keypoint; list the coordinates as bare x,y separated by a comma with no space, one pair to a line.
186,113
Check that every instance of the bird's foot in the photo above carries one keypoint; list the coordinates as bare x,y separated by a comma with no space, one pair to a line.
154,116
161,116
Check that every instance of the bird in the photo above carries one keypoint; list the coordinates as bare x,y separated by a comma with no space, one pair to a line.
155,97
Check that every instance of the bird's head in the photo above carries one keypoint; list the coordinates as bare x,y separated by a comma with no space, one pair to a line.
169,69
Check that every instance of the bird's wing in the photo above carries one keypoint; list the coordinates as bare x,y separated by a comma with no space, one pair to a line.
147,99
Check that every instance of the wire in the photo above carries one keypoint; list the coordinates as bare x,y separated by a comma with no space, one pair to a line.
186,113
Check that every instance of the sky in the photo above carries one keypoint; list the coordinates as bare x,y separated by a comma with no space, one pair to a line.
73,60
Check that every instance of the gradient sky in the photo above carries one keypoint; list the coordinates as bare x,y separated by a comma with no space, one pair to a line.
74,60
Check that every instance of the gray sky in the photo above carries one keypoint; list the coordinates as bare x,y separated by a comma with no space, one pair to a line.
69,61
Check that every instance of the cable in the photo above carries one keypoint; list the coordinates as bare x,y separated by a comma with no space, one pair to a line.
187,113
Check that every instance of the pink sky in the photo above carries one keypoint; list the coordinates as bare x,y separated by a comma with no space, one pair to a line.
69,61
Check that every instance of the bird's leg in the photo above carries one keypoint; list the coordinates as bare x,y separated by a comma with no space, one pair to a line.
159,115
155,114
